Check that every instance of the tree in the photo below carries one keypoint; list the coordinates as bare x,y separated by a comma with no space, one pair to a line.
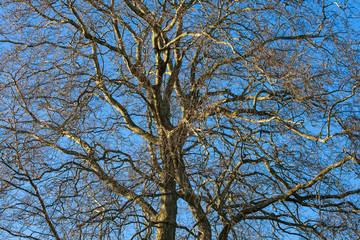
179,119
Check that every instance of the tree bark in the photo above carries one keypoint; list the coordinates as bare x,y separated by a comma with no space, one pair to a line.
168,211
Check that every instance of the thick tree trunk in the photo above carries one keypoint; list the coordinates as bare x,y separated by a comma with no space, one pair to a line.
167,217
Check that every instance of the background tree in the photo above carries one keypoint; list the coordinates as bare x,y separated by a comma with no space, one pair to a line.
179,119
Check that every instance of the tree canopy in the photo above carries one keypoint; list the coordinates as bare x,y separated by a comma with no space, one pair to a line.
179,119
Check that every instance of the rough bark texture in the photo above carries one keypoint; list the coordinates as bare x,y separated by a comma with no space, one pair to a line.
166,221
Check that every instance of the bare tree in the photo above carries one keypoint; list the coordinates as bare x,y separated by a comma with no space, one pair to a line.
179,119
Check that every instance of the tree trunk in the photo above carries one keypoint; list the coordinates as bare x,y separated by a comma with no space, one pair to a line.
167,217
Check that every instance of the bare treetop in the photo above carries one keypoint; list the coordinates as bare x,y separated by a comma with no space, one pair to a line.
179,119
